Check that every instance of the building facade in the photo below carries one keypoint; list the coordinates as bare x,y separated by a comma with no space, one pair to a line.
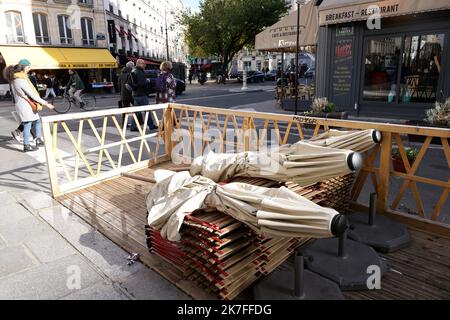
145,29
56,35
398,68
77,23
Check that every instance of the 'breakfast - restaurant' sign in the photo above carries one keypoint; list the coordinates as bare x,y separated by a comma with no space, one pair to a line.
347,11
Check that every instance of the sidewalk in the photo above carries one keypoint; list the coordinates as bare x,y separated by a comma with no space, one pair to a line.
47,252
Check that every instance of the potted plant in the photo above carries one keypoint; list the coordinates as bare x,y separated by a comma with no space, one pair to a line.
397,161
321,107
440,115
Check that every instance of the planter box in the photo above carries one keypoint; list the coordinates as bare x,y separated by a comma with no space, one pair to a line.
421,123
399,165
334,115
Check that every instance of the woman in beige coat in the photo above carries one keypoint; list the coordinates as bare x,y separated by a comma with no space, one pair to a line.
23,91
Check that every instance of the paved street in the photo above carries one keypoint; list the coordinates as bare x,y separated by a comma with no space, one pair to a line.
43,246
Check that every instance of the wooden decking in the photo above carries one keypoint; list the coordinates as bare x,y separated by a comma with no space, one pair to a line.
117,209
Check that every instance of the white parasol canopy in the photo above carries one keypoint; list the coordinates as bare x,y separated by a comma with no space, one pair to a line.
270,212
301,163
358,141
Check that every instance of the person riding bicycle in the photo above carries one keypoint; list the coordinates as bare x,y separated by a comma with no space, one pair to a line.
75,87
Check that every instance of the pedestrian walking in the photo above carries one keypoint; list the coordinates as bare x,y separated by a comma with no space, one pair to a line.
279,73
166,84
140,86
27,102
56,85
190,76
49,84
33,78
126,92
75,87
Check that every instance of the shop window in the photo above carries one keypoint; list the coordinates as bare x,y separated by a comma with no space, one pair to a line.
381,69
421,68
87,32
41,28
65,33
14,27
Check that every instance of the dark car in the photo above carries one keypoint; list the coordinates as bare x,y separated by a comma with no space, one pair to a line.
153,75
252,76
271,75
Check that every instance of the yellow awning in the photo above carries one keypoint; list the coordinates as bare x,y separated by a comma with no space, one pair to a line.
59,58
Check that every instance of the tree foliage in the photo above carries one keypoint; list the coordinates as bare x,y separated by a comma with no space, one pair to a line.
222,28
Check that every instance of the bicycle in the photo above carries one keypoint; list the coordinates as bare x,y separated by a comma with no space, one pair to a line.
90,103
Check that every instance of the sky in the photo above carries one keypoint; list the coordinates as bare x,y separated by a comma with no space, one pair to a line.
191,4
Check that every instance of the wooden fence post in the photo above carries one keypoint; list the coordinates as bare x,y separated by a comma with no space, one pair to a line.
246,133
51,158
385,172
168,130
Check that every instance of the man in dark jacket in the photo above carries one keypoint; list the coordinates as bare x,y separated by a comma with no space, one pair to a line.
141,87
126,95
75,87
33,79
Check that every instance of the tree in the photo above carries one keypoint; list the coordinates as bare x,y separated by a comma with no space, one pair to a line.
222,28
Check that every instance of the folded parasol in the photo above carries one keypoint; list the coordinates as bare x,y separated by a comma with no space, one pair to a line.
301,163
358,141
272,212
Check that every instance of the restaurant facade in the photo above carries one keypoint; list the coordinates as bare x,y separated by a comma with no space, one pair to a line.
384,58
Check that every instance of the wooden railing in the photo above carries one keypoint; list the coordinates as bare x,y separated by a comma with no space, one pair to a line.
253,127
176,122
87,148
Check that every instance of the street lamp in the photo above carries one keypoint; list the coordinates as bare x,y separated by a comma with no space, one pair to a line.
167,33
299,3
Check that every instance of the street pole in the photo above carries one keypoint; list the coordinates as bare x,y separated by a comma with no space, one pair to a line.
296,57
244,79
167,37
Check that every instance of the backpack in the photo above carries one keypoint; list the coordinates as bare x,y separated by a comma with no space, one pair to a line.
161,82
129,80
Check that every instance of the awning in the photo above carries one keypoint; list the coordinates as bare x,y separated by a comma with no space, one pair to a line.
59,58
342,11
282,36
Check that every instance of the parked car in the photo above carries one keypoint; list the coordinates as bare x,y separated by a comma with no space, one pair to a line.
153,74
252,76
271,75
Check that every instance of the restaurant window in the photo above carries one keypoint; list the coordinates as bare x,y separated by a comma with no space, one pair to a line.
41,28
87,32
404,69
382,67
421,68
14,27
65,33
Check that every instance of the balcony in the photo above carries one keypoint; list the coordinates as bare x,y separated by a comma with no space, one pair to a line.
12,39
88,42
66,41
87,3
43,40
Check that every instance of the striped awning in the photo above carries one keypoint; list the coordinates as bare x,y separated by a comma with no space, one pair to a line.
282,36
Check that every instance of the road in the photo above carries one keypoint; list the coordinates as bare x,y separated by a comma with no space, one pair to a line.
210,95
